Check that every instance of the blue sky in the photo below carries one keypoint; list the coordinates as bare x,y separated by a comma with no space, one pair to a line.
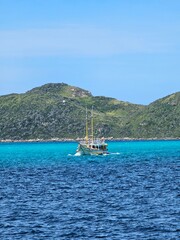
129,50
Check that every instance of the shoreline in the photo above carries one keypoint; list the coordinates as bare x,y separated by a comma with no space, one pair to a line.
110,139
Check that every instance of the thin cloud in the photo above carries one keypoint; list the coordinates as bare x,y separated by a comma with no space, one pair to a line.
77,41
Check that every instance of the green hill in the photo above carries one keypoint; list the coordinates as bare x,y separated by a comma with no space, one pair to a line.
58,111
160,119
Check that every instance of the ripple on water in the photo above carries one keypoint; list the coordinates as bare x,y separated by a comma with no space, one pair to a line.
131,195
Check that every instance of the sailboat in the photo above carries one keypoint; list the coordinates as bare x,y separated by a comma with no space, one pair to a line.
91,145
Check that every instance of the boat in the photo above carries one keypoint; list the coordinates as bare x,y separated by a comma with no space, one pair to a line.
91,145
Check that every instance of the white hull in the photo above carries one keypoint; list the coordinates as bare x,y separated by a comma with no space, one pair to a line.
85,150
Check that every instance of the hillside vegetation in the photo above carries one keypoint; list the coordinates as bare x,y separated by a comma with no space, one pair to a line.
58,111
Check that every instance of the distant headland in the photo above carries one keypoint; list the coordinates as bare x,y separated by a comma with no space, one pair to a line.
56,112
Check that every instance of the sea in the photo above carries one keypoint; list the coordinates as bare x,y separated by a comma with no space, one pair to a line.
46,192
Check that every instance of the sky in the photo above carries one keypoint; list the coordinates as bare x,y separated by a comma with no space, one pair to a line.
125,49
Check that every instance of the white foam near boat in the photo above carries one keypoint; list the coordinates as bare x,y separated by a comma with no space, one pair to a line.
92,146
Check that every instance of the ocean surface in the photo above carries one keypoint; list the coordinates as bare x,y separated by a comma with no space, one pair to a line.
48,193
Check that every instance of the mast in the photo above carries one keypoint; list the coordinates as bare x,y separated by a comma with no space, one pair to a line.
92,125
86,127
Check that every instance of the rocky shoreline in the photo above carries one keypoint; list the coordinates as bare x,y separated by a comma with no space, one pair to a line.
79,139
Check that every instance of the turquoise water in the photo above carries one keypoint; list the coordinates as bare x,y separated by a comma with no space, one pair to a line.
28,154
48,193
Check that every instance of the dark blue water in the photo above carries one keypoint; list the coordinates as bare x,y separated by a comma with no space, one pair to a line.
47,193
